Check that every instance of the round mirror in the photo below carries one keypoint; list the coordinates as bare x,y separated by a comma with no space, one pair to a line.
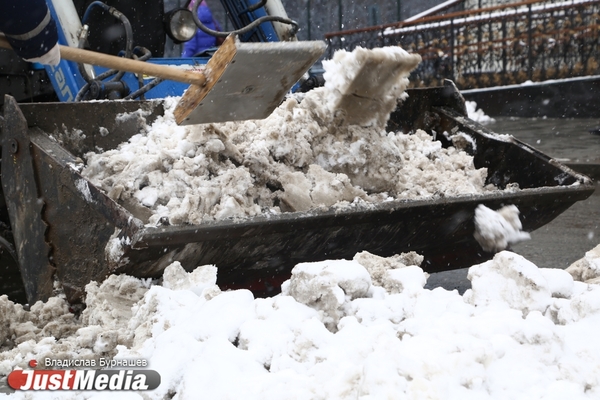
180,25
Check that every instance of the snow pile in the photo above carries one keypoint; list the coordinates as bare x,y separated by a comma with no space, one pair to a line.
500,283
51,330
18,326
304,156
340,329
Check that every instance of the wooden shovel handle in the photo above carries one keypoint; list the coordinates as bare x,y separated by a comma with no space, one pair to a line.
124,64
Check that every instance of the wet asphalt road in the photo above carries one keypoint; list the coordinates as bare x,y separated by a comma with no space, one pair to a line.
565,239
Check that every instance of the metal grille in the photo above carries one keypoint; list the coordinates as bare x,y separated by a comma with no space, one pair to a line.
506,44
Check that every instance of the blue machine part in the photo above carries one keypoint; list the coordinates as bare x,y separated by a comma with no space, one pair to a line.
68,81
165,88
240,17
266,28
65,77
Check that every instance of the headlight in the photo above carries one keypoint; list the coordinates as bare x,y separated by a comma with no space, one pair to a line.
180,25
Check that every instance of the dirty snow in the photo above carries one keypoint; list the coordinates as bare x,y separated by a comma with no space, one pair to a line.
588,268
365,84
304,156
340,329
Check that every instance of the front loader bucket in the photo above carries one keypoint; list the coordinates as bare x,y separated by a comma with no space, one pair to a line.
67,229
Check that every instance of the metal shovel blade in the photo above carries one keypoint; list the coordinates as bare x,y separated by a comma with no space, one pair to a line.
246,80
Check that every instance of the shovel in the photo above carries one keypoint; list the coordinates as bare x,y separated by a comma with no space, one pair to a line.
241,81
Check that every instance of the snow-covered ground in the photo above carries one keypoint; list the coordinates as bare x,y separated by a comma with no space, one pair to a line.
362,328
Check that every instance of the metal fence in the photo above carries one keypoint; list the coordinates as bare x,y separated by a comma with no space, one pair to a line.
508,44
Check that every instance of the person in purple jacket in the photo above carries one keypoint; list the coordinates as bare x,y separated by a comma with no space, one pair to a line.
201,41
30,30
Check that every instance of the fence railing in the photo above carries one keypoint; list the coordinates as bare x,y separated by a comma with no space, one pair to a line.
508,44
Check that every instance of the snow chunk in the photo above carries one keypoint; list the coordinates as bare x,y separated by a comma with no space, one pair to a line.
326,286
109,305
395,274
477,114
587,269
495,230
367,83
84,188
509,280
200,279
